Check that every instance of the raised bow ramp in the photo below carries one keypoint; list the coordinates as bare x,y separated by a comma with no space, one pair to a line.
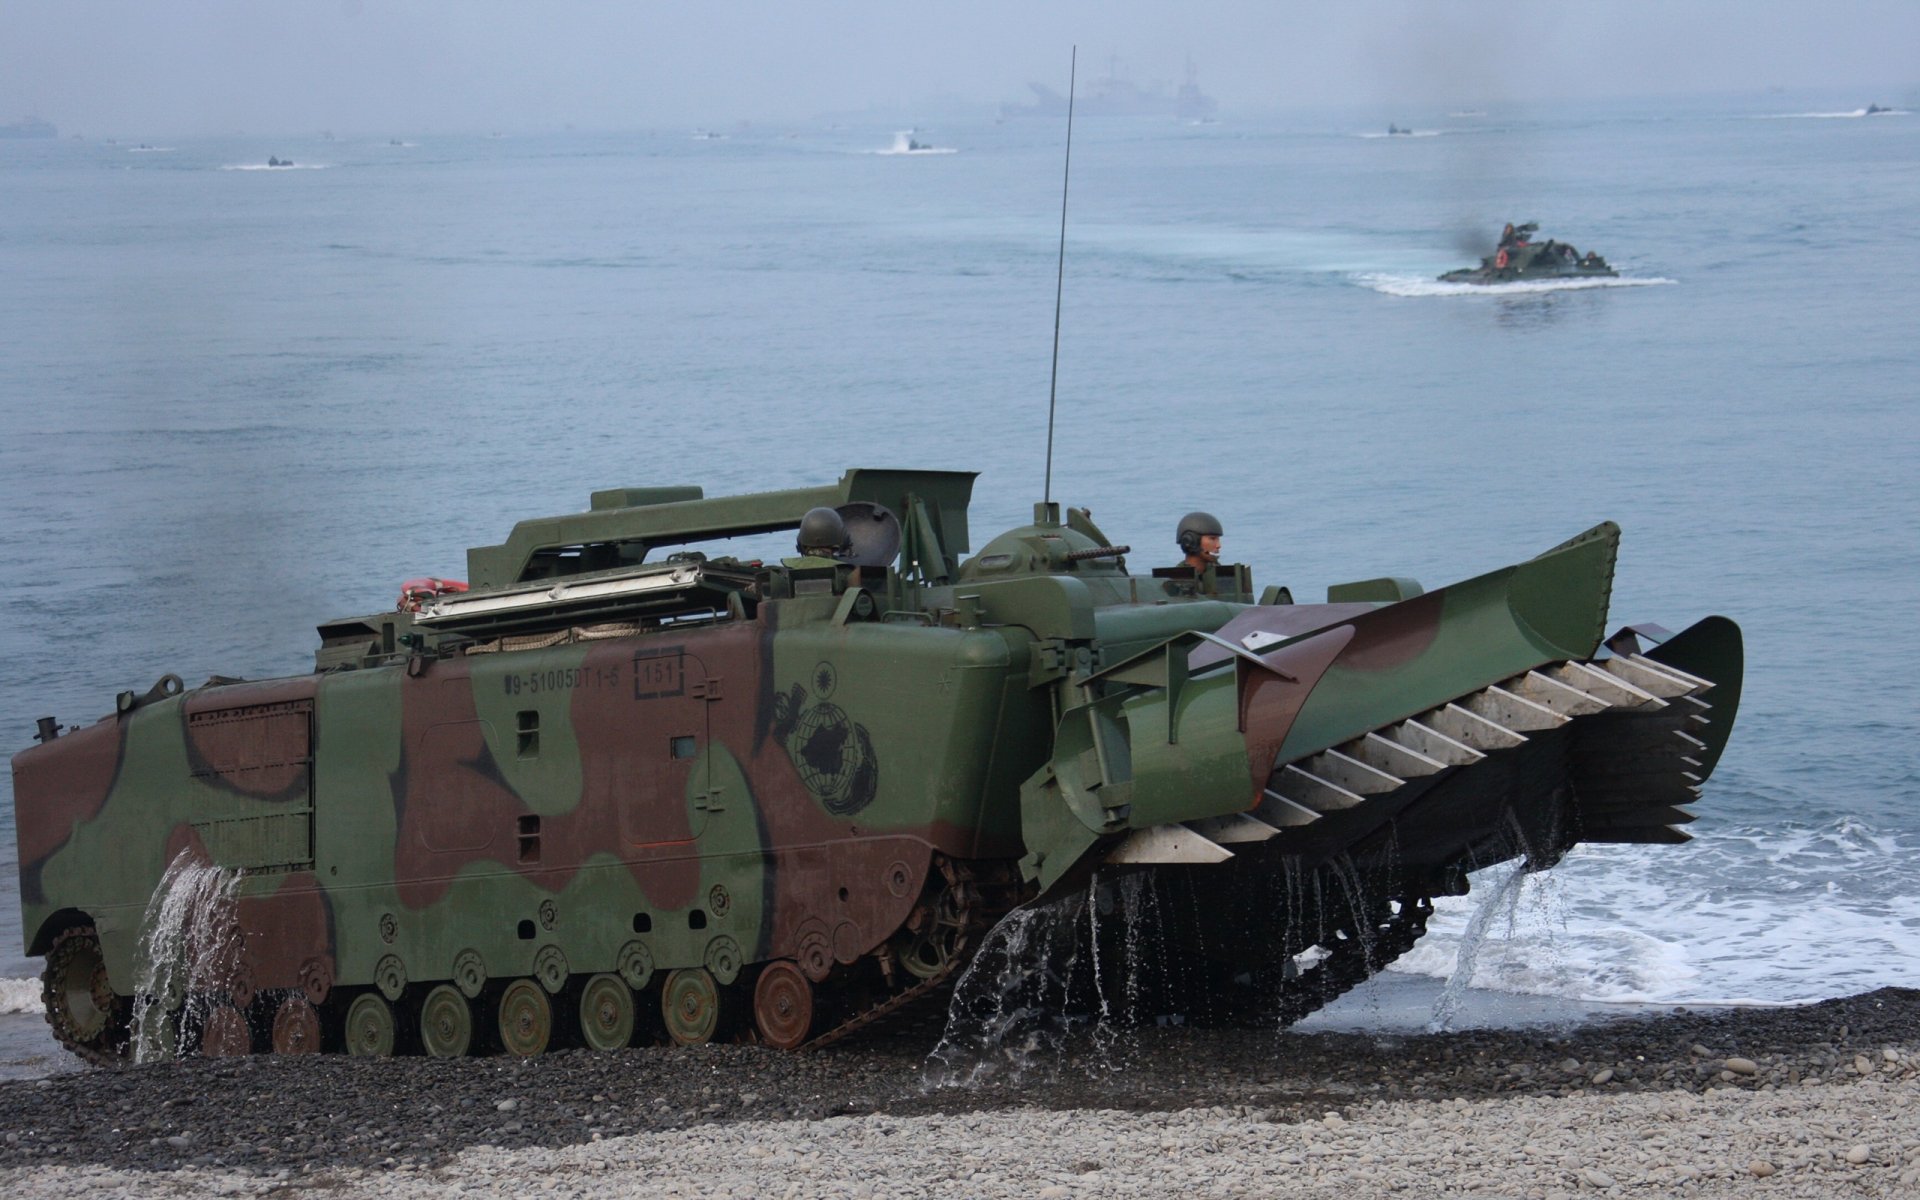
1375,752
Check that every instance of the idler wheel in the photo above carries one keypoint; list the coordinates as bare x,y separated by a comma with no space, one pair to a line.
370,1026
446,1023
690,1005
783,1006
526,1019
606,1013
224,1033
296,1027
74,987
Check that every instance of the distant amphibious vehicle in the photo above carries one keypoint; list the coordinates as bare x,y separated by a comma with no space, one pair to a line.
1519,258
620,789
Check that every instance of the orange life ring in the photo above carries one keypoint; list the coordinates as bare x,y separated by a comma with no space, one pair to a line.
1500,259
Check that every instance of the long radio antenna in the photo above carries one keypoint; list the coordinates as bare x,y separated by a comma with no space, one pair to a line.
1060,275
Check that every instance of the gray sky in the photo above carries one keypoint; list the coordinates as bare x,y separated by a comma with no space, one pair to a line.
209,66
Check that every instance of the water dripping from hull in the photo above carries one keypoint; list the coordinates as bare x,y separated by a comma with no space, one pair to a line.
1066,975
996,1020
189,955
1503,896
1073,979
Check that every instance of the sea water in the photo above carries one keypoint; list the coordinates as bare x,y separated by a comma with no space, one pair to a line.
236,402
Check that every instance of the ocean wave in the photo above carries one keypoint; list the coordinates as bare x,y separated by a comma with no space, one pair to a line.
282,167
20,996
1413,133
1423,285
1829,914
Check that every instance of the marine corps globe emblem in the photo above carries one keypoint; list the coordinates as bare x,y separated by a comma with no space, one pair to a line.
833,754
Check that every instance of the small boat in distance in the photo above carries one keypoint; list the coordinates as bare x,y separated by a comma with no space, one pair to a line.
272,161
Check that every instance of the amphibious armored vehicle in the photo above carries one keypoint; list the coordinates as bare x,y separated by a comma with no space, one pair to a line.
626,786
1518,258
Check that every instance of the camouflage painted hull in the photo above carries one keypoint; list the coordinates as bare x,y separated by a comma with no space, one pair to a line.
1519,259
1490,275
697,797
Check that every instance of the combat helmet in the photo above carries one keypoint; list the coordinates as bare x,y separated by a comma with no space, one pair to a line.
1193,527
822,532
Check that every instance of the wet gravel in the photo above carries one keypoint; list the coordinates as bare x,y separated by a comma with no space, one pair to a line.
289,1118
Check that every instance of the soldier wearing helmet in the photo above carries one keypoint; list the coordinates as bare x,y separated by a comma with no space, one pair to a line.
823,540
1199,535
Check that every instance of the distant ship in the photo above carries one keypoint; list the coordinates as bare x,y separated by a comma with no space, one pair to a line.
30,127
1117,97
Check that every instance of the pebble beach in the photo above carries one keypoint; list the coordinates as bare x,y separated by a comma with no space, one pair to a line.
1818,1101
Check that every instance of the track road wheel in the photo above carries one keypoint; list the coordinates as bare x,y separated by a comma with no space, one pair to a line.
371,1030
606,1013
783,1006
79,998
446,1023
526,1019
690,1004
296,1026
224,1033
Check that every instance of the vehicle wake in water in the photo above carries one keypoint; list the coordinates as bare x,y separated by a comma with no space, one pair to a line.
1833,116
1421,285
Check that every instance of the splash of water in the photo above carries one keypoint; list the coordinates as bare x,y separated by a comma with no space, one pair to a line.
189,947
1504,895
997,1020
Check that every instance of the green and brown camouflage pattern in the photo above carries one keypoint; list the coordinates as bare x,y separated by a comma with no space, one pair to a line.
1518,258
599,764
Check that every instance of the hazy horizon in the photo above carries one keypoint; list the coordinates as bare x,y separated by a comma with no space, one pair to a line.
223,66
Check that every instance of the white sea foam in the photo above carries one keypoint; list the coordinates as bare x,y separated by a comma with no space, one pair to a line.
281,167
1419,133
1423,285
1703,923
20,996
149,149
1831,116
